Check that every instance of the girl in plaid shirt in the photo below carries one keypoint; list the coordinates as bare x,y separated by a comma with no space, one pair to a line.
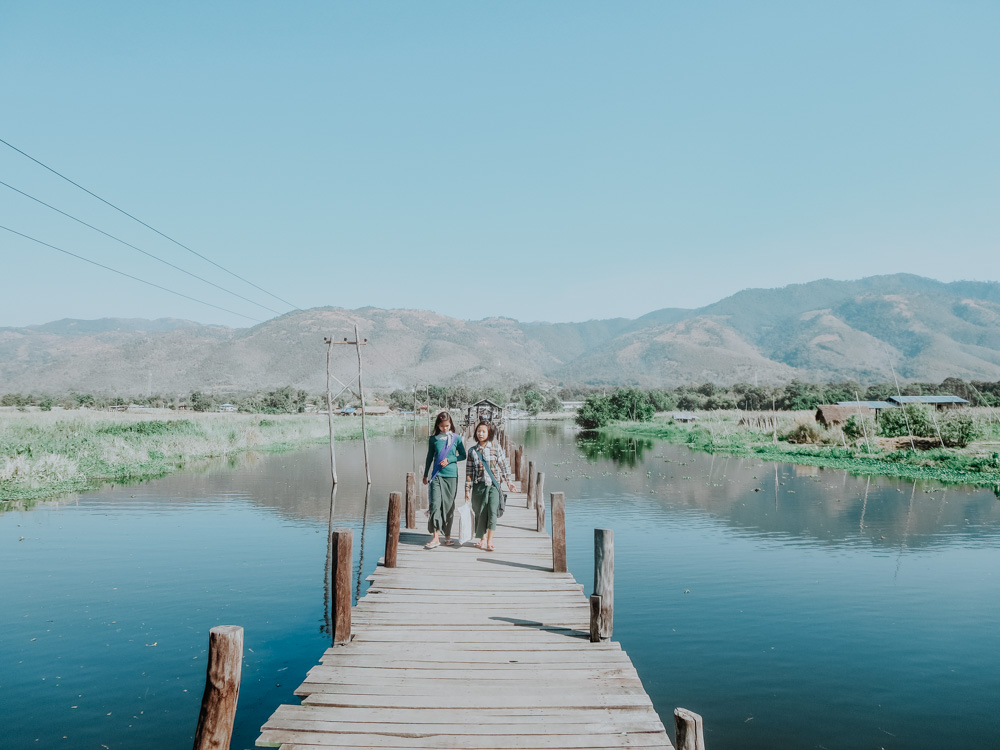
481,487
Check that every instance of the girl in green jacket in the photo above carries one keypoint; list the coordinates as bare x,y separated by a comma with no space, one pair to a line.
444,450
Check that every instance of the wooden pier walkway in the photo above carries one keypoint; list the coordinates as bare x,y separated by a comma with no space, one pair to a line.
462,648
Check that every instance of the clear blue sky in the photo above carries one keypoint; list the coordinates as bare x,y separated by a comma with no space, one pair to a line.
554,161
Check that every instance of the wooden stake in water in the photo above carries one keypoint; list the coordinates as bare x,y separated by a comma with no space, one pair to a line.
222,688
341,543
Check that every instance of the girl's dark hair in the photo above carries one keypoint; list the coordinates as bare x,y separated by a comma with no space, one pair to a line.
490,430
440,418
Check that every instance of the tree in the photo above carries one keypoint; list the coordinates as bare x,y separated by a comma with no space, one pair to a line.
661,400
401,400
631,404
800,395
200,401
552,403
595,412
533,402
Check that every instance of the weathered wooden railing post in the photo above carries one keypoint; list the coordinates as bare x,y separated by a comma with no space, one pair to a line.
557,500
690,732
530,491
540,501
602,601
392,529
411,500
222,688
341,544
517,463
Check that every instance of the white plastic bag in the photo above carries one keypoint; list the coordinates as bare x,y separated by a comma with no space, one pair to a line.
464,519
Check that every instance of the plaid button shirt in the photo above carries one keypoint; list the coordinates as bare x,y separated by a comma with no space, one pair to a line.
476,472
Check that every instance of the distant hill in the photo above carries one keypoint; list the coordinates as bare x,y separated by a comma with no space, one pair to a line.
823,330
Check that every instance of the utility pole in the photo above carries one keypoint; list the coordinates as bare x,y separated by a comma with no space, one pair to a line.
329,413
357,344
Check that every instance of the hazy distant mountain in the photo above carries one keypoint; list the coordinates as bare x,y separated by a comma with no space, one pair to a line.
823,330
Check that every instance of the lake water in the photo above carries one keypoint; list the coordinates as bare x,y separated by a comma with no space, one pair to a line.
790,606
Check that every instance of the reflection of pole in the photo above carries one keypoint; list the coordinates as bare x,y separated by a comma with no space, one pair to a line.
361,549
329,414
361,389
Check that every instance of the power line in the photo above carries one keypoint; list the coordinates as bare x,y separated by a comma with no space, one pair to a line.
122,273
153,229
139,249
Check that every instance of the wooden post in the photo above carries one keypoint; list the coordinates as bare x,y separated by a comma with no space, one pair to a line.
531,483
222,688
604,585
341,543
521,467
517,463
392,529
690,731
595,618
558,503
540,501
411,500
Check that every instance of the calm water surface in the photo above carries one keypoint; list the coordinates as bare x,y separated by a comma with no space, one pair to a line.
791,607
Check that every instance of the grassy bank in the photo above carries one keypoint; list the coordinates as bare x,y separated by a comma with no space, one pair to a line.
721,432
45,454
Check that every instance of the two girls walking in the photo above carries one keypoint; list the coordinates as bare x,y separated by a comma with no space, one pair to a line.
486,470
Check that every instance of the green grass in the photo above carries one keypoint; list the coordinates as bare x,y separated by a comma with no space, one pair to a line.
46,454
719,432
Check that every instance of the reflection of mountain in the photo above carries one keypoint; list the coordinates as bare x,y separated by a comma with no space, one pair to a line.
785,500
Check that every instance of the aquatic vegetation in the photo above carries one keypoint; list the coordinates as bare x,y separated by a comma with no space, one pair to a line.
798,440
45,454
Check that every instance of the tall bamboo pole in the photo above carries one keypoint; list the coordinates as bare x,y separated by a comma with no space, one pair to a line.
329,410
361,390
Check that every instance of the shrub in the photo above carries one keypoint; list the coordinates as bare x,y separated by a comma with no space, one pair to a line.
958,429
804,432
912,419
858,427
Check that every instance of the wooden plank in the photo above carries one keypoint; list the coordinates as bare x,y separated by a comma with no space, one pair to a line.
462,716
396,698
298,740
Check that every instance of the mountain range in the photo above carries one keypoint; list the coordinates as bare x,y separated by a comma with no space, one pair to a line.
823,330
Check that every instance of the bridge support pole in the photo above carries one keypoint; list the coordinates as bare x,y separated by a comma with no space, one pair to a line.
690,731
540,501
411,500
392,529
602,611
222,688
530,491
557,501
341,544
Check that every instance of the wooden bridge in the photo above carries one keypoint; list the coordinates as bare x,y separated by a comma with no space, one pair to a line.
457,647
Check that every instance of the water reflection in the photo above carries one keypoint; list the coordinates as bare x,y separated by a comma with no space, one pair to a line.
624,451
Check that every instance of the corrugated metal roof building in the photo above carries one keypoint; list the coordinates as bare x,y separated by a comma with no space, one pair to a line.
939,402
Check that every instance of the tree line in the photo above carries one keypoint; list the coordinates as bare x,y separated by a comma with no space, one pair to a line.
601,403
637,405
